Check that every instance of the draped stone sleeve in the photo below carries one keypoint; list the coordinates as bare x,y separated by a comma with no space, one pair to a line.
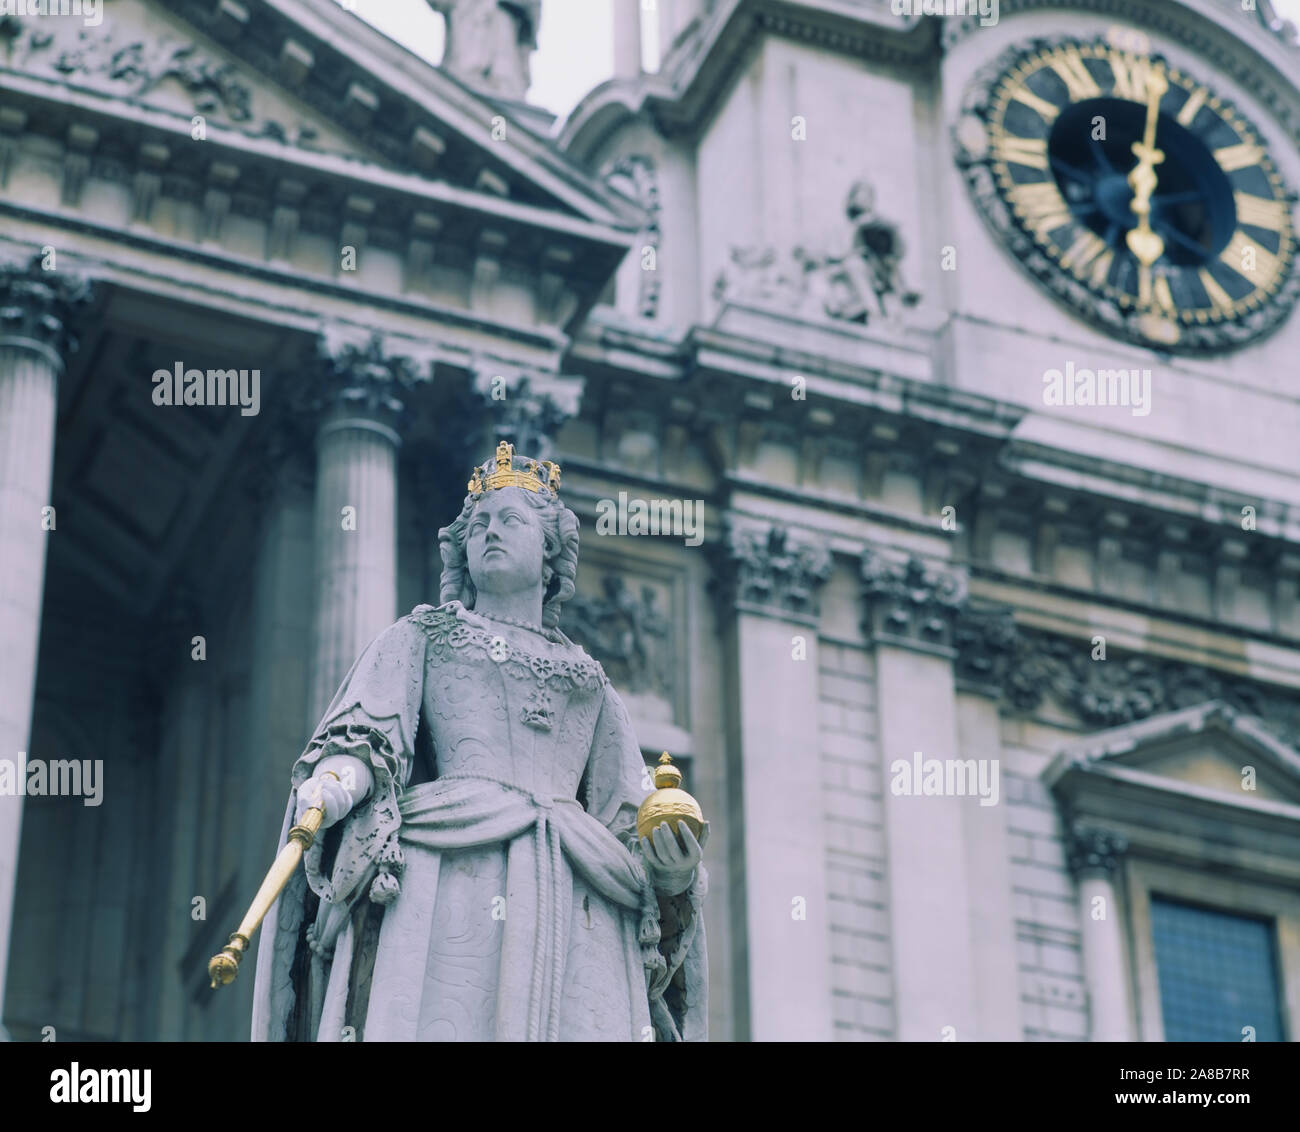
373,717
672,927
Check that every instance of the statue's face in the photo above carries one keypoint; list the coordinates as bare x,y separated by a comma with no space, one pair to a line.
504,543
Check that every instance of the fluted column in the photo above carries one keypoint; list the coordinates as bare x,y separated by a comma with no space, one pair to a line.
769,583
1094,857
355,523
34,308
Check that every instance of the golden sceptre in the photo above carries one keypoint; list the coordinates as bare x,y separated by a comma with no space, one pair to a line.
224,966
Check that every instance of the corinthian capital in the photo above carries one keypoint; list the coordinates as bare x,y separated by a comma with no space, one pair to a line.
910,603
769,569
37,307
528,410
1093,850
360,377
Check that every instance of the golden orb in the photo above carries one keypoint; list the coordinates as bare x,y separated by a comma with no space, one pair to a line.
668,803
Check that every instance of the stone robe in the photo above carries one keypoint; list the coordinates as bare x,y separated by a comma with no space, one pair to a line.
490,886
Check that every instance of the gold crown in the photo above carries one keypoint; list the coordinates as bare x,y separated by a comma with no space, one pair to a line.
531,475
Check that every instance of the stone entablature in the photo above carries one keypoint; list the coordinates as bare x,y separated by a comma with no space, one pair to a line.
768,569
881,443
473,210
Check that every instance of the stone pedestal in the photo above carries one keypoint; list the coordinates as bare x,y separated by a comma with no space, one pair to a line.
355,524
34,306
783,978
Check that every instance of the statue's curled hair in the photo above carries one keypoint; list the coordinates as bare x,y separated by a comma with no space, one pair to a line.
559,555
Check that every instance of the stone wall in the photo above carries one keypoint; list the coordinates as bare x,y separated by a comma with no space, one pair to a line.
858,901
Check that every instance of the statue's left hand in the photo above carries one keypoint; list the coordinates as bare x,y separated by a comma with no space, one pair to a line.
672,862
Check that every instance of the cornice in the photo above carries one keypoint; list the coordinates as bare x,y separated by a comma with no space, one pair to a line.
405,92
689,87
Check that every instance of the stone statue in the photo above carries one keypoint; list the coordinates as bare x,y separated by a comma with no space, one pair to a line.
854,283
871,264
481,877
489,43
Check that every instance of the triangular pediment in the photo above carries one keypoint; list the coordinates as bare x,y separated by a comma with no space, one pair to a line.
1211,748
307,75
144,55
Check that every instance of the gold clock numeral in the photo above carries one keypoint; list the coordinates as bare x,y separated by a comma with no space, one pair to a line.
1041,206
1144,285
1129,77
1088,258
1040,106
1260,213
1164,296
1219,298
1249,260
1030,152
1187,112
1069,66
1239,156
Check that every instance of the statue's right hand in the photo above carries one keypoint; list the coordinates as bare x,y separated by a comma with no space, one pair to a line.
327,792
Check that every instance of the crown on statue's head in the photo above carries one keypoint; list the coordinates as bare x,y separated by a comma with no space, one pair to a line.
542,476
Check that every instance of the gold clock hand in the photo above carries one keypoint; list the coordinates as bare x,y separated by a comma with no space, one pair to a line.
1145,244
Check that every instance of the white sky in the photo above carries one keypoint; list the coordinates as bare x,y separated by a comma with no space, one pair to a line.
575,49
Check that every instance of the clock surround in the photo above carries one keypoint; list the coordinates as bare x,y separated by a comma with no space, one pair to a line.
1066,203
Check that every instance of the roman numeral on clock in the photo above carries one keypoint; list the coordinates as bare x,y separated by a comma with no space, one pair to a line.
1220,300
1248,259
1030,152
1069,67
1040,206
1260,213
1187,112
1046,110
1129,77
1088,258
1239,156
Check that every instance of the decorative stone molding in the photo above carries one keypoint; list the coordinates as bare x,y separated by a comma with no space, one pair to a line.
1093,850
37,307
768,569
634,175
858,282
909,603
1024,666
361,379
630,637
99,58
528,410
985,638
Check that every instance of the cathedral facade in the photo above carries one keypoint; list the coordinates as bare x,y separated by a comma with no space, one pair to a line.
925,383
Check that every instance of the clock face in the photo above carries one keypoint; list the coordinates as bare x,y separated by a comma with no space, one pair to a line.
1138,195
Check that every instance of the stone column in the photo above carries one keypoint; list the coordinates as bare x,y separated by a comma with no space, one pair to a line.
985,639
769,584
355,526
282,618
34,308
1094,857
910,608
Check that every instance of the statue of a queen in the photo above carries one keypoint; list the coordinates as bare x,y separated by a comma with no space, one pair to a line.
481,877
